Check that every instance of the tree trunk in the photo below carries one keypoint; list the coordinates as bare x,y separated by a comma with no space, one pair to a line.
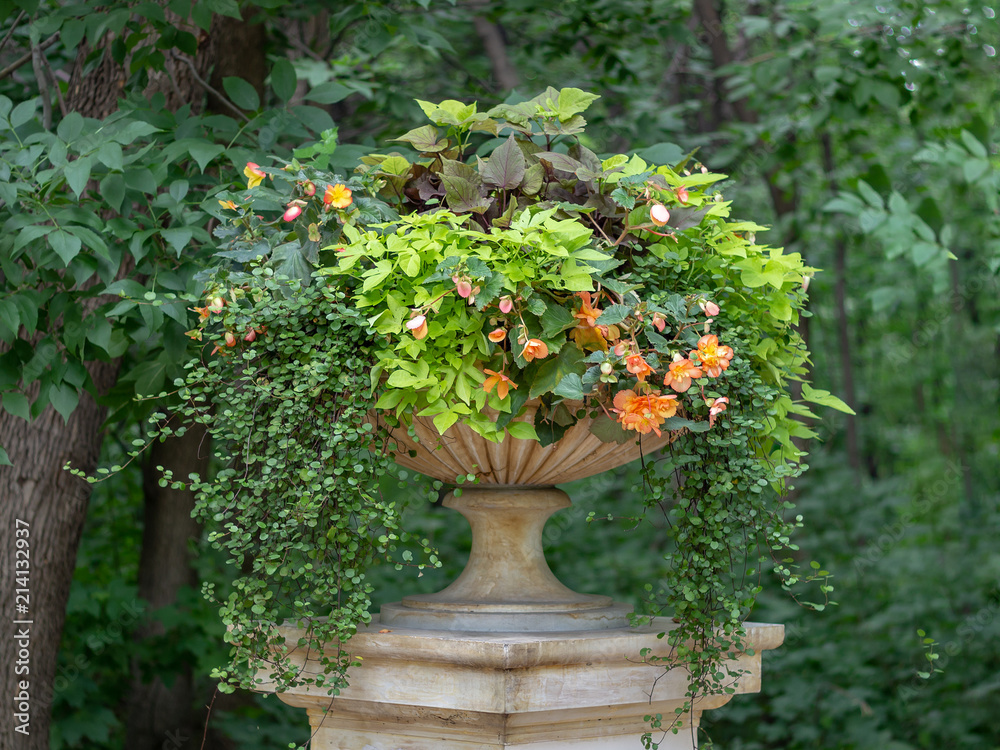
843,323
51,505
157,713
36,493
491,35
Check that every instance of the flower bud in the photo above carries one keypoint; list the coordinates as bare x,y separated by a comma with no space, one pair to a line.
659,214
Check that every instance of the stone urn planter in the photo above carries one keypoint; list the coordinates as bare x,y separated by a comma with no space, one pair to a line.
507,585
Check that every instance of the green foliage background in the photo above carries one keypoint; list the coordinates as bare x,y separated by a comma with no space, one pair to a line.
865,134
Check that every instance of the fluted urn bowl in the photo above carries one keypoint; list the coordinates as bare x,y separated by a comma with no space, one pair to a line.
507,585
461,451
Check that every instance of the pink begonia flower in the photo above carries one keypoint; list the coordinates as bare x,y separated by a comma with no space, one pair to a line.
292,213
709,308
506,305
417,326
659,214
716,408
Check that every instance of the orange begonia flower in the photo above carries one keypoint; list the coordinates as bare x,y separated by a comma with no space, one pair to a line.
231,205
255,175
534,349
680,372
637,365
713,358
417,326
644,414
497,335
338,196
589,312
502,382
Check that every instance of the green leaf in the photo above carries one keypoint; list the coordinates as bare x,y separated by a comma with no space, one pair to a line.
77,173
283,79
203,152
330,92
973,145
573,101
608,430
178,238
556,320
110,155
113,191
824,398
241,92
522,430
4,458
10,320
678,423
23,112
614,314
444,420
571,387
150,377
70,127
552,371
314,118
64,399
224,8
424,139
973,169
66,245
16,404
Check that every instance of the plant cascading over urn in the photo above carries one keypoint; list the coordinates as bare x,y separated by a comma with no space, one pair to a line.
491,271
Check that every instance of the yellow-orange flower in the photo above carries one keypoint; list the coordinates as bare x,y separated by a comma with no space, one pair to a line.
644,414
713,358
231,205
680,372
255,175
502,383
417,326
637,365
338,196
534,349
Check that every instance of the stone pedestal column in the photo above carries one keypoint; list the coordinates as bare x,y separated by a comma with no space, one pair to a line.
419,689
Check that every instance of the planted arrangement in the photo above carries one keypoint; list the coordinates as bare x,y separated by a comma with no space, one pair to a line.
492,267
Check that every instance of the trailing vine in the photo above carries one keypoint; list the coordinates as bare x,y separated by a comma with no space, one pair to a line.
297,506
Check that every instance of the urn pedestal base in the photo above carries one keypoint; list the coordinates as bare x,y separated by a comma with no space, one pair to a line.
418,689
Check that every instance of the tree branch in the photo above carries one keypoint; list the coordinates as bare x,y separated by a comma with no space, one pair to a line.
12,29
27,57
